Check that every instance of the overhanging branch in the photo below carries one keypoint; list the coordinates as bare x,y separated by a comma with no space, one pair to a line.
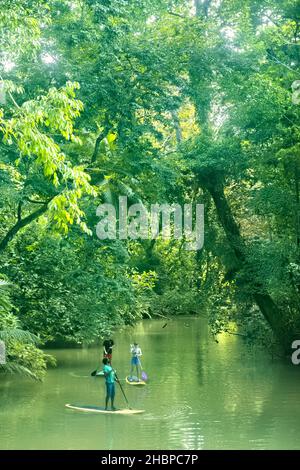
21,223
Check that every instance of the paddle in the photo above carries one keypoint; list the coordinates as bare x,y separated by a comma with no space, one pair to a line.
94,372
122,389
144,375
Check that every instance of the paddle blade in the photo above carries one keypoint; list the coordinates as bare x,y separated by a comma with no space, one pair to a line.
144,376
94,373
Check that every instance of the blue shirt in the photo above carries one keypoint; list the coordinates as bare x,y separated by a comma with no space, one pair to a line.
109,374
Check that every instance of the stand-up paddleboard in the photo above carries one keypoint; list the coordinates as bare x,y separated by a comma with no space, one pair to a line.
134,381
101,409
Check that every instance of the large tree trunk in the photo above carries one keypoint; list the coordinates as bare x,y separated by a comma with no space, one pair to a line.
201,7
273,315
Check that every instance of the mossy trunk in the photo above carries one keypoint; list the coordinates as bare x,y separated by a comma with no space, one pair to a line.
273,315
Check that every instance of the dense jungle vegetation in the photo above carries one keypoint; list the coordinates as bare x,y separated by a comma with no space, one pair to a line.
162,101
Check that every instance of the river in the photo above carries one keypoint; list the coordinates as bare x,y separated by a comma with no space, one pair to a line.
201,395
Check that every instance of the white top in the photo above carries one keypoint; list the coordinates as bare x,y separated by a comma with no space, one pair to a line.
135,350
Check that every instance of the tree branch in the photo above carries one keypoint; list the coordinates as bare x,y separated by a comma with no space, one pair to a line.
273,58
19,213
98,142
177,127
176,14
11,96
37,202
21,223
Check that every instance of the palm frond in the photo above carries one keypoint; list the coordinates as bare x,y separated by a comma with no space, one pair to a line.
4,299
12,367
16,334
4,284
5,304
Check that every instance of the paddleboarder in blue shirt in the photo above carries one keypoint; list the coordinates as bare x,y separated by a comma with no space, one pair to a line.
110,378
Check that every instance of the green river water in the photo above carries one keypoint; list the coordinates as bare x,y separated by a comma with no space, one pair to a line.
200,395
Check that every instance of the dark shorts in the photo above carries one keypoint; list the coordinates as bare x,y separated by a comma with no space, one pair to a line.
110,390
108,356
135,361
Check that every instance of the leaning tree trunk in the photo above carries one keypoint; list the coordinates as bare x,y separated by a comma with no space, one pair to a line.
273,315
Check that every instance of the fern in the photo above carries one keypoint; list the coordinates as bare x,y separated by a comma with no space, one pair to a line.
22,355
13,367
15,334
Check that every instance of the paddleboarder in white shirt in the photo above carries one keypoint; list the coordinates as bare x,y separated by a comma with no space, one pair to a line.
136,353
